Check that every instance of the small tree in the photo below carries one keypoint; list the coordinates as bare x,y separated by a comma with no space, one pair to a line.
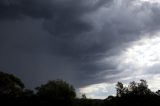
56,89
10,86
143,88
121,90
132,88
84,96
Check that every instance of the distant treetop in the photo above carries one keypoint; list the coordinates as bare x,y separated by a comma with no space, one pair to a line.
10,85
56,89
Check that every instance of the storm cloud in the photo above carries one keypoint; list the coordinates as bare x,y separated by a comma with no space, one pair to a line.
81,41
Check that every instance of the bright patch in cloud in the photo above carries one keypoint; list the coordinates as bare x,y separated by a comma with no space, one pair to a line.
143,53
141,60
151,1
100,91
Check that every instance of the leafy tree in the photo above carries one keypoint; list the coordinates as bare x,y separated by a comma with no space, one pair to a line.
84,96
139,88
143,88
134,88
56,89
121,90
10,86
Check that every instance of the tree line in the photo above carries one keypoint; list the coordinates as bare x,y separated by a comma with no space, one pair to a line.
59,92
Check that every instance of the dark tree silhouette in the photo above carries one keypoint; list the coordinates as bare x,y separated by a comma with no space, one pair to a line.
10,86
135,94
84,96
143,88
56,90
60,93
139,88
157,92
134,88
121,90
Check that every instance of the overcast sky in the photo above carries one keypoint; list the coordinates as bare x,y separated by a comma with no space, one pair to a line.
91,44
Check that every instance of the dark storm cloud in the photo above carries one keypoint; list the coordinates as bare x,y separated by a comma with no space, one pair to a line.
83,31
61,17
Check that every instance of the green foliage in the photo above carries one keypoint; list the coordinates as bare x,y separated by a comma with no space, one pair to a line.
10,85
56,89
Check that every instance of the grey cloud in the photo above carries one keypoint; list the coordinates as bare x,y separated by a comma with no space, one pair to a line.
81,30
117,26
153,70
60,17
